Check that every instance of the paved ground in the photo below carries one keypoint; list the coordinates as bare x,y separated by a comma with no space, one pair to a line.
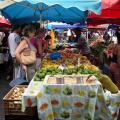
4,88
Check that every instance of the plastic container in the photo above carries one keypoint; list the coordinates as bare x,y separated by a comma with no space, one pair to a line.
55,56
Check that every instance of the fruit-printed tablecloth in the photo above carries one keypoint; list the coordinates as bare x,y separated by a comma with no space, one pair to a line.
29,98
71,101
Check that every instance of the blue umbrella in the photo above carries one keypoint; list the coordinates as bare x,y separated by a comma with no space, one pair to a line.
61,14
22,11
25,12
93,5
64,26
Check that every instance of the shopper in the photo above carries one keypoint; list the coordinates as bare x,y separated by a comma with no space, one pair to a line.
115,65
106,37
114,39
40,35
78,34
83,46
44,40
46,43
14,40
29,33
105,58
38,45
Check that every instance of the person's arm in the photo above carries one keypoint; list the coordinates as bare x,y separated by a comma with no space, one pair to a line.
39,43
114,58
17,39
44,46
115,50
19,49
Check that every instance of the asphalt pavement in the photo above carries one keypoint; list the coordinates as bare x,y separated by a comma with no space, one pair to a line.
4,88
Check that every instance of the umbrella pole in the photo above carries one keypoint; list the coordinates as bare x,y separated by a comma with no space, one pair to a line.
41,9
40,20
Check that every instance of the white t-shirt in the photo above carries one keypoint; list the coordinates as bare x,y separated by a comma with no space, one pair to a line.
96,35
69,33
114,39
14,40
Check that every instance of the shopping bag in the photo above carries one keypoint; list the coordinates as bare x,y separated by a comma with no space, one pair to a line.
18,81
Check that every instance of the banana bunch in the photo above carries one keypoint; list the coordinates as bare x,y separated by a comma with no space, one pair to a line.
70,66
91,67
49,64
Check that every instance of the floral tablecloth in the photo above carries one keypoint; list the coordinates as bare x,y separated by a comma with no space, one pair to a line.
71,102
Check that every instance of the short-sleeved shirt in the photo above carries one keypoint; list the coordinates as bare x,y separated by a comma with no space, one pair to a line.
117,53
114,39
13,40
35,44
44,44
83,45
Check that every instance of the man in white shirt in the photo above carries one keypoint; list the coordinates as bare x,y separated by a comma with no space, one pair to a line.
114,39
14,40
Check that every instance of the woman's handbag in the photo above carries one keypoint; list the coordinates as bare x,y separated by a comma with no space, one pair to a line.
28,55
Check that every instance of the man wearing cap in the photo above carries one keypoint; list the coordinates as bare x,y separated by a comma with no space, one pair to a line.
14,40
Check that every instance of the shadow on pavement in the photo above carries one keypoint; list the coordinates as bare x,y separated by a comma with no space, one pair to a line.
4,88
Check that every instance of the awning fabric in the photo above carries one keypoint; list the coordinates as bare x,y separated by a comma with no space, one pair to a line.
97,26
4,22
110,13
93,5
24,12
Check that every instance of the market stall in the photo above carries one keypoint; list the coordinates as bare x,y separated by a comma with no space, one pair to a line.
68,86
56,100
67,89
4,28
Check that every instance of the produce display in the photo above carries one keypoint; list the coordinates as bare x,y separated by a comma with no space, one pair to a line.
70,60
82,69
97,47
73,64
17,93
62,96
70,89
69,54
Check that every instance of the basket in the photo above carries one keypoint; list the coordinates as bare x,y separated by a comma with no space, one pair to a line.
55,56
12,106
70,79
